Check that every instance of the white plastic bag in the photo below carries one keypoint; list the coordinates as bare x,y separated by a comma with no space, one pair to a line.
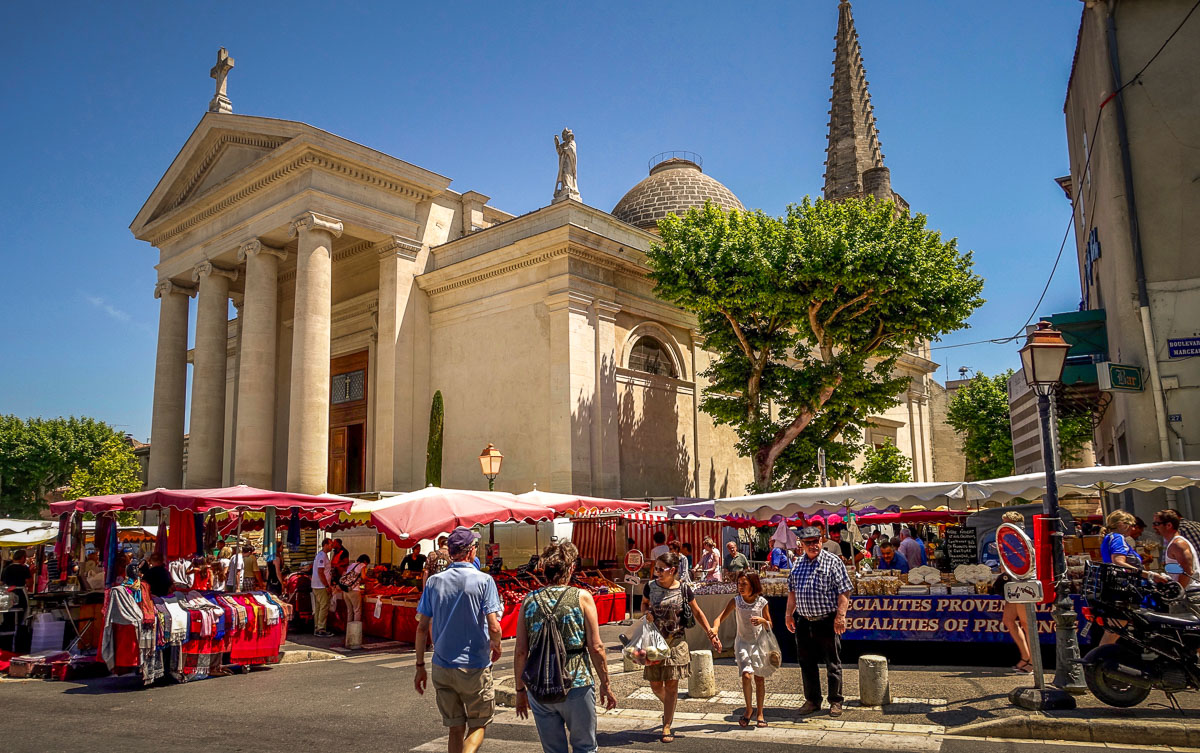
768,648
646,645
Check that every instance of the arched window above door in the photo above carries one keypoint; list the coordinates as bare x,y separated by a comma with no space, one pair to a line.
650,356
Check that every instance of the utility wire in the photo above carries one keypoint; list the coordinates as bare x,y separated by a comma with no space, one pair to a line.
1087,163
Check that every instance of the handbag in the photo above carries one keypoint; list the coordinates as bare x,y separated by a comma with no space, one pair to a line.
686,617
351,579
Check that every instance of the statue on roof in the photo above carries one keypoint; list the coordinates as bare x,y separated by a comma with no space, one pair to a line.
567,184
220,101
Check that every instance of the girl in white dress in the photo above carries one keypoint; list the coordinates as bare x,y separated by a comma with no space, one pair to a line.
752,618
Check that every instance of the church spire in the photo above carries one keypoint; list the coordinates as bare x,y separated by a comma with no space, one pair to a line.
853,140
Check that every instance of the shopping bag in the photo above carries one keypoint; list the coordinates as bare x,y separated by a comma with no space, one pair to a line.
647,645
768,646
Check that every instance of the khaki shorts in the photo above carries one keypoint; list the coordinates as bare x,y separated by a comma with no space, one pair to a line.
464,696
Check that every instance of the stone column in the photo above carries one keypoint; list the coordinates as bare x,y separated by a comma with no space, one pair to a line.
254,446
397,270
206,437
572,392
308,410
170,387
606,451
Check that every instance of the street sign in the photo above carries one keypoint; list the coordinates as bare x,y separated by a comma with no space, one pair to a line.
632,580
634,560
1016,552
1023,592
1184,347
1119,377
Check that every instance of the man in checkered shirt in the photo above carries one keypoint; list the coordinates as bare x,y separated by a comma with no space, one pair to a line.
818,589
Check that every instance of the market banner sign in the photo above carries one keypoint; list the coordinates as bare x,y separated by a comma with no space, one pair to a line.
939,618
1184,347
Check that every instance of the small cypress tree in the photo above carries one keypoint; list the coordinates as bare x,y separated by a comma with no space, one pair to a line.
433,455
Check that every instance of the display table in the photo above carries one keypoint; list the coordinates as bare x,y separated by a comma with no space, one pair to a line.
711,605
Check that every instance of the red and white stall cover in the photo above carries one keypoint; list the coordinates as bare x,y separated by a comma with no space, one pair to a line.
596,536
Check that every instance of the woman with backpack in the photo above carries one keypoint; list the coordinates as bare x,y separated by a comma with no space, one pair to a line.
352,584
671,607
560,657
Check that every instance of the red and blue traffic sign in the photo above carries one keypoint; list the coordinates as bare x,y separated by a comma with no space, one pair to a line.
1016,552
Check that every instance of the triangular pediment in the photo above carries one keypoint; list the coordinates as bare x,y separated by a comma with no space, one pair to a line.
218,149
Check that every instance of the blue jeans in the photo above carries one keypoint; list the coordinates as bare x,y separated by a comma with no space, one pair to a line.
573,717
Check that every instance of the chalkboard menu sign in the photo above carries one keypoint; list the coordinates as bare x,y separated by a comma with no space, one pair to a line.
962,546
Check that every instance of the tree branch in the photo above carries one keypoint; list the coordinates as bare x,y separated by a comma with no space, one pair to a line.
847,305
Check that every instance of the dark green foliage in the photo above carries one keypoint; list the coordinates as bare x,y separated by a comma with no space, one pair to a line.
433,455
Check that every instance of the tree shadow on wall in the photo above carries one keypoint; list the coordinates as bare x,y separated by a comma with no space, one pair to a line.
655,459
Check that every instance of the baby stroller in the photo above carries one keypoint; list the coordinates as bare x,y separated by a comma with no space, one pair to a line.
299,595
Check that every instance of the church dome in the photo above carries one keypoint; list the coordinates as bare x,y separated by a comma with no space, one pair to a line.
675,184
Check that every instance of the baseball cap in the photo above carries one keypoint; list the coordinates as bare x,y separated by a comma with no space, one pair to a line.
809,532
461,539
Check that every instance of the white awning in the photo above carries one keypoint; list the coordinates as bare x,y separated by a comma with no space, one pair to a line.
1142,477
811,501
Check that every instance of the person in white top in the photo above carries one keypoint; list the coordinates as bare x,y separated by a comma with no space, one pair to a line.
660,546
1179,555
754,665
321,576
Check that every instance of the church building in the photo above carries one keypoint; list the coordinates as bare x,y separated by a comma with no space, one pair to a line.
362,284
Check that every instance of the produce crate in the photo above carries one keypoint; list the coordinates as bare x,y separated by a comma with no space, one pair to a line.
404,620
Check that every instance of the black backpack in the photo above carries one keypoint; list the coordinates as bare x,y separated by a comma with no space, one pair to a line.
545,674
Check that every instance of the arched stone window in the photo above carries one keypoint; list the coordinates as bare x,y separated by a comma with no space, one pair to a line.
649,355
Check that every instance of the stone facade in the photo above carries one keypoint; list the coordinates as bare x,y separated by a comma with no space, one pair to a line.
1160,422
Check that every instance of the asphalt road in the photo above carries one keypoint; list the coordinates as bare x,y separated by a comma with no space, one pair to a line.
364,703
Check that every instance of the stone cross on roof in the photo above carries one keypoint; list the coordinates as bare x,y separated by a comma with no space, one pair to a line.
220,101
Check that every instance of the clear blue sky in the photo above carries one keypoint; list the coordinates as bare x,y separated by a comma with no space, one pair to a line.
97,99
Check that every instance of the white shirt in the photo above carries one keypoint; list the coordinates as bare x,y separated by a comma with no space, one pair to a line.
659,551
233,573
320,564
832,547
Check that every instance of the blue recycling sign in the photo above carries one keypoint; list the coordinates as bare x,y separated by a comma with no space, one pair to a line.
1184,347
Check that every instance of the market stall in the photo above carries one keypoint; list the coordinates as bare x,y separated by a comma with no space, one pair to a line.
186,633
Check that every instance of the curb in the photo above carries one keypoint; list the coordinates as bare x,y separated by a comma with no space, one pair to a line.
303,656
1121,731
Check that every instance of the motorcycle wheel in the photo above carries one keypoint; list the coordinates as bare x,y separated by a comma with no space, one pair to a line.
1110,690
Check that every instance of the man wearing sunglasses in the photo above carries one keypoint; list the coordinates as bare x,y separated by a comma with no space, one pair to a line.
818,589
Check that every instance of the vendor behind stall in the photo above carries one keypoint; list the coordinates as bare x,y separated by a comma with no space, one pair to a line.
890,559
17,574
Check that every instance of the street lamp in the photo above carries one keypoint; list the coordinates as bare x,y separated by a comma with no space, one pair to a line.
489,461
1042,360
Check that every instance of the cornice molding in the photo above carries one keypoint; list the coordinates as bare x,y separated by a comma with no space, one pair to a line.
166,287
207,269
581,253
256,247
398,245
312,221
310,157
570,300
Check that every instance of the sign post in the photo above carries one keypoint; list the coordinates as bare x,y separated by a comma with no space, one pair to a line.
1018,559
633,562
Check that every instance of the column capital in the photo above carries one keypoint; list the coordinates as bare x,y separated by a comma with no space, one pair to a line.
207,268
256,247
166,287
314,221
398,245
606,310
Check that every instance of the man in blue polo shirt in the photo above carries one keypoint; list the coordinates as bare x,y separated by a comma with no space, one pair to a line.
463,607
890,559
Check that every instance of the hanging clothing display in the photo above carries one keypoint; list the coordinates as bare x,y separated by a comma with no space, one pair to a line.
181,535
269,534
293,538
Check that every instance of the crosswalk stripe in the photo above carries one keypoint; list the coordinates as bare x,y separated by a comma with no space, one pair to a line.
372,657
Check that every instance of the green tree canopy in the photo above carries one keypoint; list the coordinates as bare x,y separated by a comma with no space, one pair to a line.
979,413
884,465
39,455
807,314
114,471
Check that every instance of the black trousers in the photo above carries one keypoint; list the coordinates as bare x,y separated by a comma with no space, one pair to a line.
817,642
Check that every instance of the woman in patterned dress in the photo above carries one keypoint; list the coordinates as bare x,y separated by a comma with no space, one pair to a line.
662,603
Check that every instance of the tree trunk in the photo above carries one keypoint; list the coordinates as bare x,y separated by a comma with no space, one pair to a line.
765,456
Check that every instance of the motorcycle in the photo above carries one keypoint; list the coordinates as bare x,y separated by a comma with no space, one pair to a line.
1154,650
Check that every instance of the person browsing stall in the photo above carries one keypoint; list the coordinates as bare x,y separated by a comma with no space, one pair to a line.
890,559
735,561
460,607
322,580
817,603
660,545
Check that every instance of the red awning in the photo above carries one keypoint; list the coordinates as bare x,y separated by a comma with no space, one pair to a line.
233,498
104,503
579,505
425,513
916,516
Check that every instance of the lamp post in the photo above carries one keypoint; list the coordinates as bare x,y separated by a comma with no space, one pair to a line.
489,461
1042,360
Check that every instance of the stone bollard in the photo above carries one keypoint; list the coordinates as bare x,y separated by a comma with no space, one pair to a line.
873,686
628,665
353,635
702,683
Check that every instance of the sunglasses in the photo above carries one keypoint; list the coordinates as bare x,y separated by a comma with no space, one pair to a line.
1158,523
663,569
811,542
